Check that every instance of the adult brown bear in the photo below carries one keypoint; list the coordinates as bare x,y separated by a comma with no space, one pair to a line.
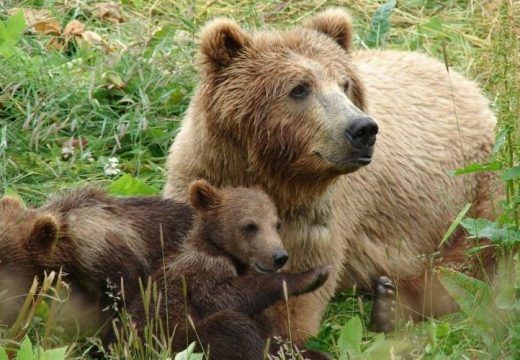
296,112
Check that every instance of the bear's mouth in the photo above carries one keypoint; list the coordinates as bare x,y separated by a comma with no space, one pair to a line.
360,160
261,270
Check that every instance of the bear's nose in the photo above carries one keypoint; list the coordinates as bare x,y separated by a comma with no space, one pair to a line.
280,258
362,132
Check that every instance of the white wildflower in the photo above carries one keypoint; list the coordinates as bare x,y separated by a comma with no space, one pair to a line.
67,152
112,167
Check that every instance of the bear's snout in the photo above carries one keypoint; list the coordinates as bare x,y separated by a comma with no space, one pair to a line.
280,258
361,133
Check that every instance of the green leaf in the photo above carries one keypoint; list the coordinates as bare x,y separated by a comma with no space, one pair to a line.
442,330
53,354
380,25
188,354
473,296
499,142
476,167
3,354
351,335
434,25
12,29
483,228
128,185
455,223
25,352
511,174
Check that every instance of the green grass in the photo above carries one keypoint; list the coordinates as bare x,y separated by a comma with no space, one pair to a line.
124,98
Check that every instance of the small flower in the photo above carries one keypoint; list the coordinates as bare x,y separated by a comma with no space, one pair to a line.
67,152
112,167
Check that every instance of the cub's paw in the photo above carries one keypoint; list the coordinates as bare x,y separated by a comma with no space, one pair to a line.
383,311
313,279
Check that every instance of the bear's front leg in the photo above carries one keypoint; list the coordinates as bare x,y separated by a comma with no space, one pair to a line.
409,300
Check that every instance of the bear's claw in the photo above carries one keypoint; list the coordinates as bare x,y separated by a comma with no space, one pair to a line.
383,311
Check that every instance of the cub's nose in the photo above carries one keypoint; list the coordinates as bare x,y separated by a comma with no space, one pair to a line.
362,132
280,258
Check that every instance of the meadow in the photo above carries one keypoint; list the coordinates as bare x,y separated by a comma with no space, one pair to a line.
93,93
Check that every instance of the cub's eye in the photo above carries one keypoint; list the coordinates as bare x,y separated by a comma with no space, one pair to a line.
300,92
346,85
278,225
250,228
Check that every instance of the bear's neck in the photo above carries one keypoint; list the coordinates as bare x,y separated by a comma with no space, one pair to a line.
220,161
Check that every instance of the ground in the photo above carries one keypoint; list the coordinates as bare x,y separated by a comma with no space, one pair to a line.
98,101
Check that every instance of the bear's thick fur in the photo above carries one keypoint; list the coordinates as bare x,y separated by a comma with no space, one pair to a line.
224,275
277,109
97,240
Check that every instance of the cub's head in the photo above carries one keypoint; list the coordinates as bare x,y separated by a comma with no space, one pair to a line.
26,242
242,222
290,100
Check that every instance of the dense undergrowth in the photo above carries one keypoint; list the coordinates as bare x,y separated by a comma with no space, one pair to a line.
92,93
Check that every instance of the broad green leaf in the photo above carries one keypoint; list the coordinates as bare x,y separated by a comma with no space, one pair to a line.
380,25
53,354
442,330
476,167
473,296
15,26
130,186
511,174
3,354
25,352
483,228
434,26
188,354
455,223
351,335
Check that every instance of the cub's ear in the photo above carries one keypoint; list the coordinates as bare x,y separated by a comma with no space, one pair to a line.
43,234
335,23
203,196
220,41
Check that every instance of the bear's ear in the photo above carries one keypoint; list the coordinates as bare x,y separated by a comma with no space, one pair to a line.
203,196
43,234
220,41
335,23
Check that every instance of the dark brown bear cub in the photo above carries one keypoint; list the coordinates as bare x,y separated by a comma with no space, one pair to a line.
228,262
95,239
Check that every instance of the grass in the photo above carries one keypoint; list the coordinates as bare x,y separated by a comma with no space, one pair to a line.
123,95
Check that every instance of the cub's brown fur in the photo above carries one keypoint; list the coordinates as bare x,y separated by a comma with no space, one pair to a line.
97,240
228,262
293,111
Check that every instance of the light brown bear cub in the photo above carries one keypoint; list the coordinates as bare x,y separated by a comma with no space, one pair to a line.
228,262
97,240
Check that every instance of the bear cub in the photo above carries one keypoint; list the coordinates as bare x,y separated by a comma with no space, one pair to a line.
228,265
98,241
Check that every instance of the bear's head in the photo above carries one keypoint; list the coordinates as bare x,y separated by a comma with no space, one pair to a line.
241,222
26,236
26,242
291,100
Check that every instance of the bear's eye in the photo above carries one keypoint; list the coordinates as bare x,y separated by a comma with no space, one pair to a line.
346,85
250,228
300,92
278,225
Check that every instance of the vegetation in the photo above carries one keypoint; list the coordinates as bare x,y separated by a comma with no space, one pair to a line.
93,93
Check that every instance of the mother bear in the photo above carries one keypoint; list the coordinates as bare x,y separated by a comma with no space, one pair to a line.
296,112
